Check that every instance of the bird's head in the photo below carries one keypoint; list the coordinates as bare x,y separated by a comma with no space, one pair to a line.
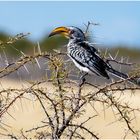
69,32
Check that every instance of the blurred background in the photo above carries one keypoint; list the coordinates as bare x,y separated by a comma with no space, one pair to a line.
119,25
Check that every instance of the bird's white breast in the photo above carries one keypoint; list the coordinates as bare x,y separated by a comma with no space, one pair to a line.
84,69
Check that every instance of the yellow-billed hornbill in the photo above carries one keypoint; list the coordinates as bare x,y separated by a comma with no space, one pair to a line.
85,56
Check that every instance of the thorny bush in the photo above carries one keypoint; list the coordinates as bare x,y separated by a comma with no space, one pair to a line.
67,102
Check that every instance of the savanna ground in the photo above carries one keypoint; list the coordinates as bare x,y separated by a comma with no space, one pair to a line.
27,113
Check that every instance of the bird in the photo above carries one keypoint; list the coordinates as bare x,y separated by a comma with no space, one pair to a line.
85,56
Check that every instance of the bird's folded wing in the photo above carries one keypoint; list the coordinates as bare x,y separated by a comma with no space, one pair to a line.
90,60
88,46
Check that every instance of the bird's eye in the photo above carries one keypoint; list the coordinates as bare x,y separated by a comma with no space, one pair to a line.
72,31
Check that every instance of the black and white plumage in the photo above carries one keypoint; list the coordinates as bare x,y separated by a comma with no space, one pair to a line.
86,60
85,56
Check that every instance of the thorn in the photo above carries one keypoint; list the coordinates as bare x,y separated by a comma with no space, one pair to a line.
116,54
38,47
23,53
111,56
37,63
26,69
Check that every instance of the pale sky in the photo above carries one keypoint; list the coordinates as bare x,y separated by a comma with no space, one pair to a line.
119,21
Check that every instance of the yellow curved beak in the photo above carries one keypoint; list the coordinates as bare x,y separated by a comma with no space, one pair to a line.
60,30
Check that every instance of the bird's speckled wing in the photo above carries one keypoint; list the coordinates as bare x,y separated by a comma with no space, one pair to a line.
88,59
87,46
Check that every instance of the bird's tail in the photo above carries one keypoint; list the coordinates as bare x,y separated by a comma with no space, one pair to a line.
123,76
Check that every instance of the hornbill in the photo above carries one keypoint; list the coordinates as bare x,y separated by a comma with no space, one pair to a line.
85,56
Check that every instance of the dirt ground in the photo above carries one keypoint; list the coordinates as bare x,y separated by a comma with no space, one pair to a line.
28,114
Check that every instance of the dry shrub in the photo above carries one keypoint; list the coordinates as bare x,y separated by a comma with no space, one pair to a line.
67,102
